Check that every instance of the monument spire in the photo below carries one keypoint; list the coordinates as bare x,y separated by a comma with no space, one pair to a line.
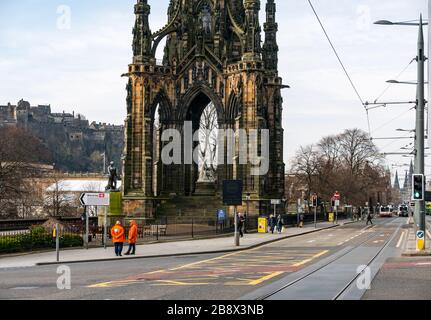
270,47
141,32
252,29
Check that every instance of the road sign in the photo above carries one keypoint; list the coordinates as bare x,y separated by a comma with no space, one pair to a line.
232,192
275,202
221,215
420,240
337,196
337,203
95,199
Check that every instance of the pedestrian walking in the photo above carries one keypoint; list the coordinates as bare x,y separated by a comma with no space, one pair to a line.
301,220
118,238
369,218
272,223
279,224
241,221
133,238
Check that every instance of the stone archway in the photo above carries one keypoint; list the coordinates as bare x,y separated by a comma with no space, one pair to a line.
213,53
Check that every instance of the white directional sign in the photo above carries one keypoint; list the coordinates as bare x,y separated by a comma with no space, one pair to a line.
275,202
95,199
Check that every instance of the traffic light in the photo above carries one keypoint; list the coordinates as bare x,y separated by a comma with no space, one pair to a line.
314,201
418,187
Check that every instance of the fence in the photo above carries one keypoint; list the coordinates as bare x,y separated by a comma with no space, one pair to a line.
72,233
181,228
34,237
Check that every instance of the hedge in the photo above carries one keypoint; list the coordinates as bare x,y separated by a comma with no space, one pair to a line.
38,238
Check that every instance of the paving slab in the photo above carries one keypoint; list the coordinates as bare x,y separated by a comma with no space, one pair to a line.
178,248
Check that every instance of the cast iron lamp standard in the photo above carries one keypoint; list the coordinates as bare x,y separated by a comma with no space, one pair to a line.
420,115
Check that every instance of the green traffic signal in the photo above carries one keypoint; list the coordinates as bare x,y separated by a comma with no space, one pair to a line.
418,187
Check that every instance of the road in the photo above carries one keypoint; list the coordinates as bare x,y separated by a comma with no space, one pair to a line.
253,274
406,278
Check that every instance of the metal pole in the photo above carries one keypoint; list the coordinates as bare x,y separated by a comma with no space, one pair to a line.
315,217
104,162
105,229
297,213
86,227
420,123
247,215
236,228
336,215
57,241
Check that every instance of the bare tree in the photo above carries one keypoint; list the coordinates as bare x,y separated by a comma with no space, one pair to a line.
21,156
58,202
349,163
306,166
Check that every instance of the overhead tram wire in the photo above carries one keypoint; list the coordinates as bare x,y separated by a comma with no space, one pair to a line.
392,143
396,78
342,64
390,121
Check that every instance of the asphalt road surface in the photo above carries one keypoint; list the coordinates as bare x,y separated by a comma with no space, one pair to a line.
259,273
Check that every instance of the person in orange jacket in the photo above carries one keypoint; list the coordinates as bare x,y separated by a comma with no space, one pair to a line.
133,238
118,238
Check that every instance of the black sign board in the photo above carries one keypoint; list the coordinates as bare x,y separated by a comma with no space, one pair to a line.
428,196
232,192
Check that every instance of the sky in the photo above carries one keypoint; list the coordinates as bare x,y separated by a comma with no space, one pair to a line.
71,54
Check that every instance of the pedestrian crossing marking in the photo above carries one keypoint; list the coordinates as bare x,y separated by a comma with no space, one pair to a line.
235,269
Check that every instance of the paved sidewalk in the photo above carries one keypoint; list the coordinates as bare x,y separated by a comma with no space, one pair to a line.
207,246
410,243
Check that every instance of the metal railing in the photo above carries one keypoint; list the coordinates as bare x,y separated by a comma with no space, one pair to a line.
73,232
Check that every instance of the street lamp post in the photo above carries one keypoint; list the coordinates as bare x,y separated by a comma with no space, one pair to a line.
420,123
248,198
420,114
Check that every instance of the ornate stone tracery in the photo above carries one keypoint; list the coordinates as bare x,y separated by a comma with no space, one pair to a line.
212,54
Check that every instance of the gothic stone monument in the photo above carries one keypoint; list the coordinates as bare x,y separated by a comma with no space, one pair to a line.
213,53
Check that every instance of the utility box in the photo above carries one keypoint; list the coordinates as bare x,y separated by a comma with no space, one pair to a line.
263,225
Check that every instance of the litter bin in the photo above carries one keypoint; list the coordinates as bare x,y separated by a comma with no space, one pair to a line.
331,217
263,225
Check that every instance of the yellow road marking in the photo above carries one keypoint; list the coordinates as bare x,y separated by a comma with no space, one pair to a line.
265,278
177,283
112,284
311,259
154,272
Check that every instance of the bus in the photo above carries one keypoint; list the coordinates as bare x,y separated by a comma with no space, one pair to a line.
385,212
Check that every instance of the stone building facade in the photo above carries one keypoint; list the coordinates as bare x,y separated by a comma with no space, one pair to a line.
213,54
